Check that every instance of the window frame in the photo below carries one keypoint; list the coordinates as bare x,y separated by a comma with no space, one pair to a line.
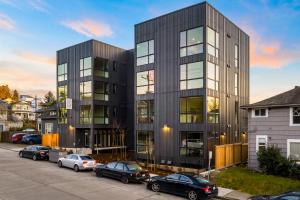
83,93
216,76
187,147
186,113
149,115
104,117
82,69
47,125
187,79
62,116
292,116
236,84
257,141
105,94
83,118
149,135
288,146
236,55
264,116
148,55
186,46
149,84
60,98
65,74
215,46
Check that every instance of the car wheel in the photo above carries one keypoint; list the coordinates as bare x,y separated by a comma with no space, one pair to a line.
34,158
21,154
192,195
60,164
99,174
76,168
124,179
155,187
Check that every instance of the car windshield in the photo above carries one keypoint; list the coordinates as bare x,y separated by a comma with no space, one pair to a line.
201,179
43,148
132,167
86,158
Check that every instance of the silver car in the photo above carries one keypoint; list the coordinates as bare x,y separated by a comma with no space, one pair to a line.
77,162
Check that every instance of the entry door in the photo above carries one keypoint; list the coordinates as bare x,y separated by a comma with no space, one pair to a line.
86,138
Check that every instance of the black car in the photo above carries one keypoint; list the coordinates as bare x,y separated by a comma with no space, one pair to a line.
125,171
285,196
35,153
184,184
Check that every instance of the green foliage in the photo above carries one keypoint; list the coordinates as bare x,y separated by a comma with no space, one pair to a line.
29,124
4,92
15,96
49,100
272,162
255,183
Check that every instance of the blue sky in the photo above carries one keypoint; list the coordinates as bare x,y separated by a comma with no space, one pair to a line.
32,30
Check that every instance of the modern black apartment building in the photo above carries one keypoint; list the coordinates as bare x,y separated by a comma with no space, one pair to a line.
97,81
177,95
191,76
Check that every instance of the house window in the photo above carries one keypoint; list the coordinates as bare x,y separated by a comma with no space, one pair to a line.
48,127
191,109
191,76
145,111
212,42
62,116
295,116
86,66
101,67
62,93
261,142
85,114
261,112
236,84
145,82
145,142
62,72
101,115
191,42
213,107
191,144
212,76
145,53
293,149
86,90
236,55
101,91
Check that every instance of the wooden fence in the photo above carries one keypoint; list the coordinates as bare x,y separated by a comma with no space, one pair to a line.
230,154
6,136
50,140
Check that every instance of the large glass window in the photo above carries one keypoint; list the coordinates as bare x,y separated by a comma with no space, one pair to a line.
236,84
101,91
62,115
295,116
101,115
191,144
212,42
191,109
212,76
213,107
293,149
62,72
261,142
145,142
236,55
62,93
145,82
86,90
191,42
191,76
86,66
101,67
85,114
145,111
145,53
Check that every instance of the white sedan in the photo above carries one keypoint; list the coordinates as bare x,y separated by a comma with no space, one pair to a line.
77,162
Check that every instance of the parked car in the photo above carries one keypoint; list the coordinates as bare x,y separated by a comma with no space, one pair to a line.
32,139
17,137
284,196
184,184
77,162
125,171
29,130
35,153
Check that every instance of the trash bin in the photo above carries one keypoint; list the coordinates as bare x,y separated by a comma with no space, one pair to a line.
55,154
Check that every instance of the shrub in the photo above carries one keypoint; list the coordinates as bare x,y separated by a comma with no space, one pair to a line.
272,162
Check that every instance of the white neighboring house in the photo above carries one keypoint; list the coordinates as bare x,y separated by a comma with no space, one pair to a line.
6,120
23,110
275,121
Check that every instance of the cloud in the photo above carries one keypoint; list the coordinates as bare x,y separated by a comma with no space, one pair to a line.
39,5
267,52
6,22
89,28
36,58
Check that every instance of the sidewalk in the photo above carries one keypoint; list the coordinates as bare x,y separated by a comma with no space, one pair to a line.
12,147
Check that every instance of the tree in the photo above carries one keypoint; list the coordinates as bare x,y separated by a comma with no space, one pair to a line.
15,95
49,100
4,92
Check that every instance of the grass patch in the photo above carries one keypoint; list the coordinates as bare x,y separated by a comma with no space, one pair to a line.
245,180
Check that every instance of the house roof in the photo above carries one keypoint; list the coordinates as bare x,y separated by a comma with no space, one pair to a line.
285,99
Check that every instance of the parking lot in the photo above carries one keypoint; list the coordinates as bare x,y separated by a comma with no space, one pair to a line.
24,179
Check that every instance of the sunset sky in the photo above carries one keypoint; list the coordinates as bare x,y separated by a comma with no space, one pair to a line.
31,31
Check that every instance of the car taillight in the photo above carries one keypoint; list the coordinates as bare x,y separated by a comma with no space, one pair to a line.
85,162
206,189
42,152
136,174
